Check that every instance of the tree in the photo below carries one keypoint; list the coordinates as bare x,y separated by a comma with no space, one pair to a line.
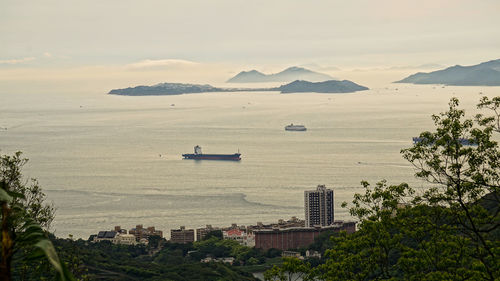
24,215
463,174
450,230
399,238
154,241
292,269
213,233
31,196
493,105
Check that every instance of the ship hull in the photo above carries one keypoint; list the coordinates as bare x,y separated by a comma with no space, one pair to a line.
463,141
293,127
226,157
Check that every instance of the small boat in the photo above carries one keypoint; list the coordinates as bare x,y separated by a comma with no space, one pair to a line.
293,127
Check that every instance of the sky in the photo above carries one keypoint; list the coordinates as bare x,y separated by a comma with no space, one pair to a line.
50,45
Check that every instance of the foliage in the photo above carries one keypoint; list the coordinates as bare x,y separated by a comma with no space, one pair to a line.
494,106
23,214
217,248
272,253
462,176
291,269
154,241
107,261
213,233
449,231
29,197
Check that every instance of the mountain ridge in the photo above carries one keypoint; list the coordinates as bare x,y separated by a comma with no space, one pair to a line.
287,75
482,74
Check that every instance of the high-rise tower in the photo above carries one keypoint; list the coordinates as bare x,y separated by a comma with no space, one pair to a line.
318,205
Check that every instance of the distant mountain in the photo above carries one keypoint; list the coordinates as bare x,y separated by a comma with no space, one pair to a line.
331,86
290,74
252,76
165,89
483,74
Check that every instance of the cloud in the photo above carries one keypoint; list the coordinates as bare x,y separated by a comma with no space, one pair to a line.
155,64
17,61
47,55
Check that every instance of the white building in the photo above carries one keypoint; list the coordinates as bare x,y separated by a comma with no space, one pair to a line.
242,237
115,238
126,239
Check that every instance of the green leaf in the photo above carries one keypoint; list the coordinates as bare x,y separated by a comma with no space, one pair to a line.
16,194
31,237
50,252
4,196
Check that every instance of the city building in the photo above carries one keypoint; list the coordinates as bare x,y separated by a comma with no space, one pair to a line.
115,237
292,254
313,254
293,222
182,235
202,232
104,236
120,236
296,237
120,230
234,226
240,236
125,239
318,206
142,233
229,260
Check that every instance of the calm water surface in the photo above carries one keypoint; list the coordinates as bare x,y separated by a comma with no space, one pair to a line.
111,160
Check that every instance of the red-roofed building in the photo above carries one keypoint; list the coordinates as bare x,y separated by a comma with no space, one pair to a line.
240,236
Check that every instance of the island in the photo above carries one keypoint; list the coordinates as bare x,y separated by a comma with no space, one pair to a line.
331,86
163,89
483,74
298,86
290,74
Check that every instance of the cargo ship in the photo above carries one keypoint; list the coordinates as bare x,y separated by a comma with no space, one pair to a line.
293,127
198,155
462,141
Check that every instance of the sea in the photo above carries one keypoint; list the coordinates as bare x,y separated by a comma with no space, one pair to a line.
105,160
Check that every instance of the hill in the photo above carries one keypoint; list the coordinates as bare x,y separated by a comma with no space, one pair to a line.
290,74
483,74
331,86
164,89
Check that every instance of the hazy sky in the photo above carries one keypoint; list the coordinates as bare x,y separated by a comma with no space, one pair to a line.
57,38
